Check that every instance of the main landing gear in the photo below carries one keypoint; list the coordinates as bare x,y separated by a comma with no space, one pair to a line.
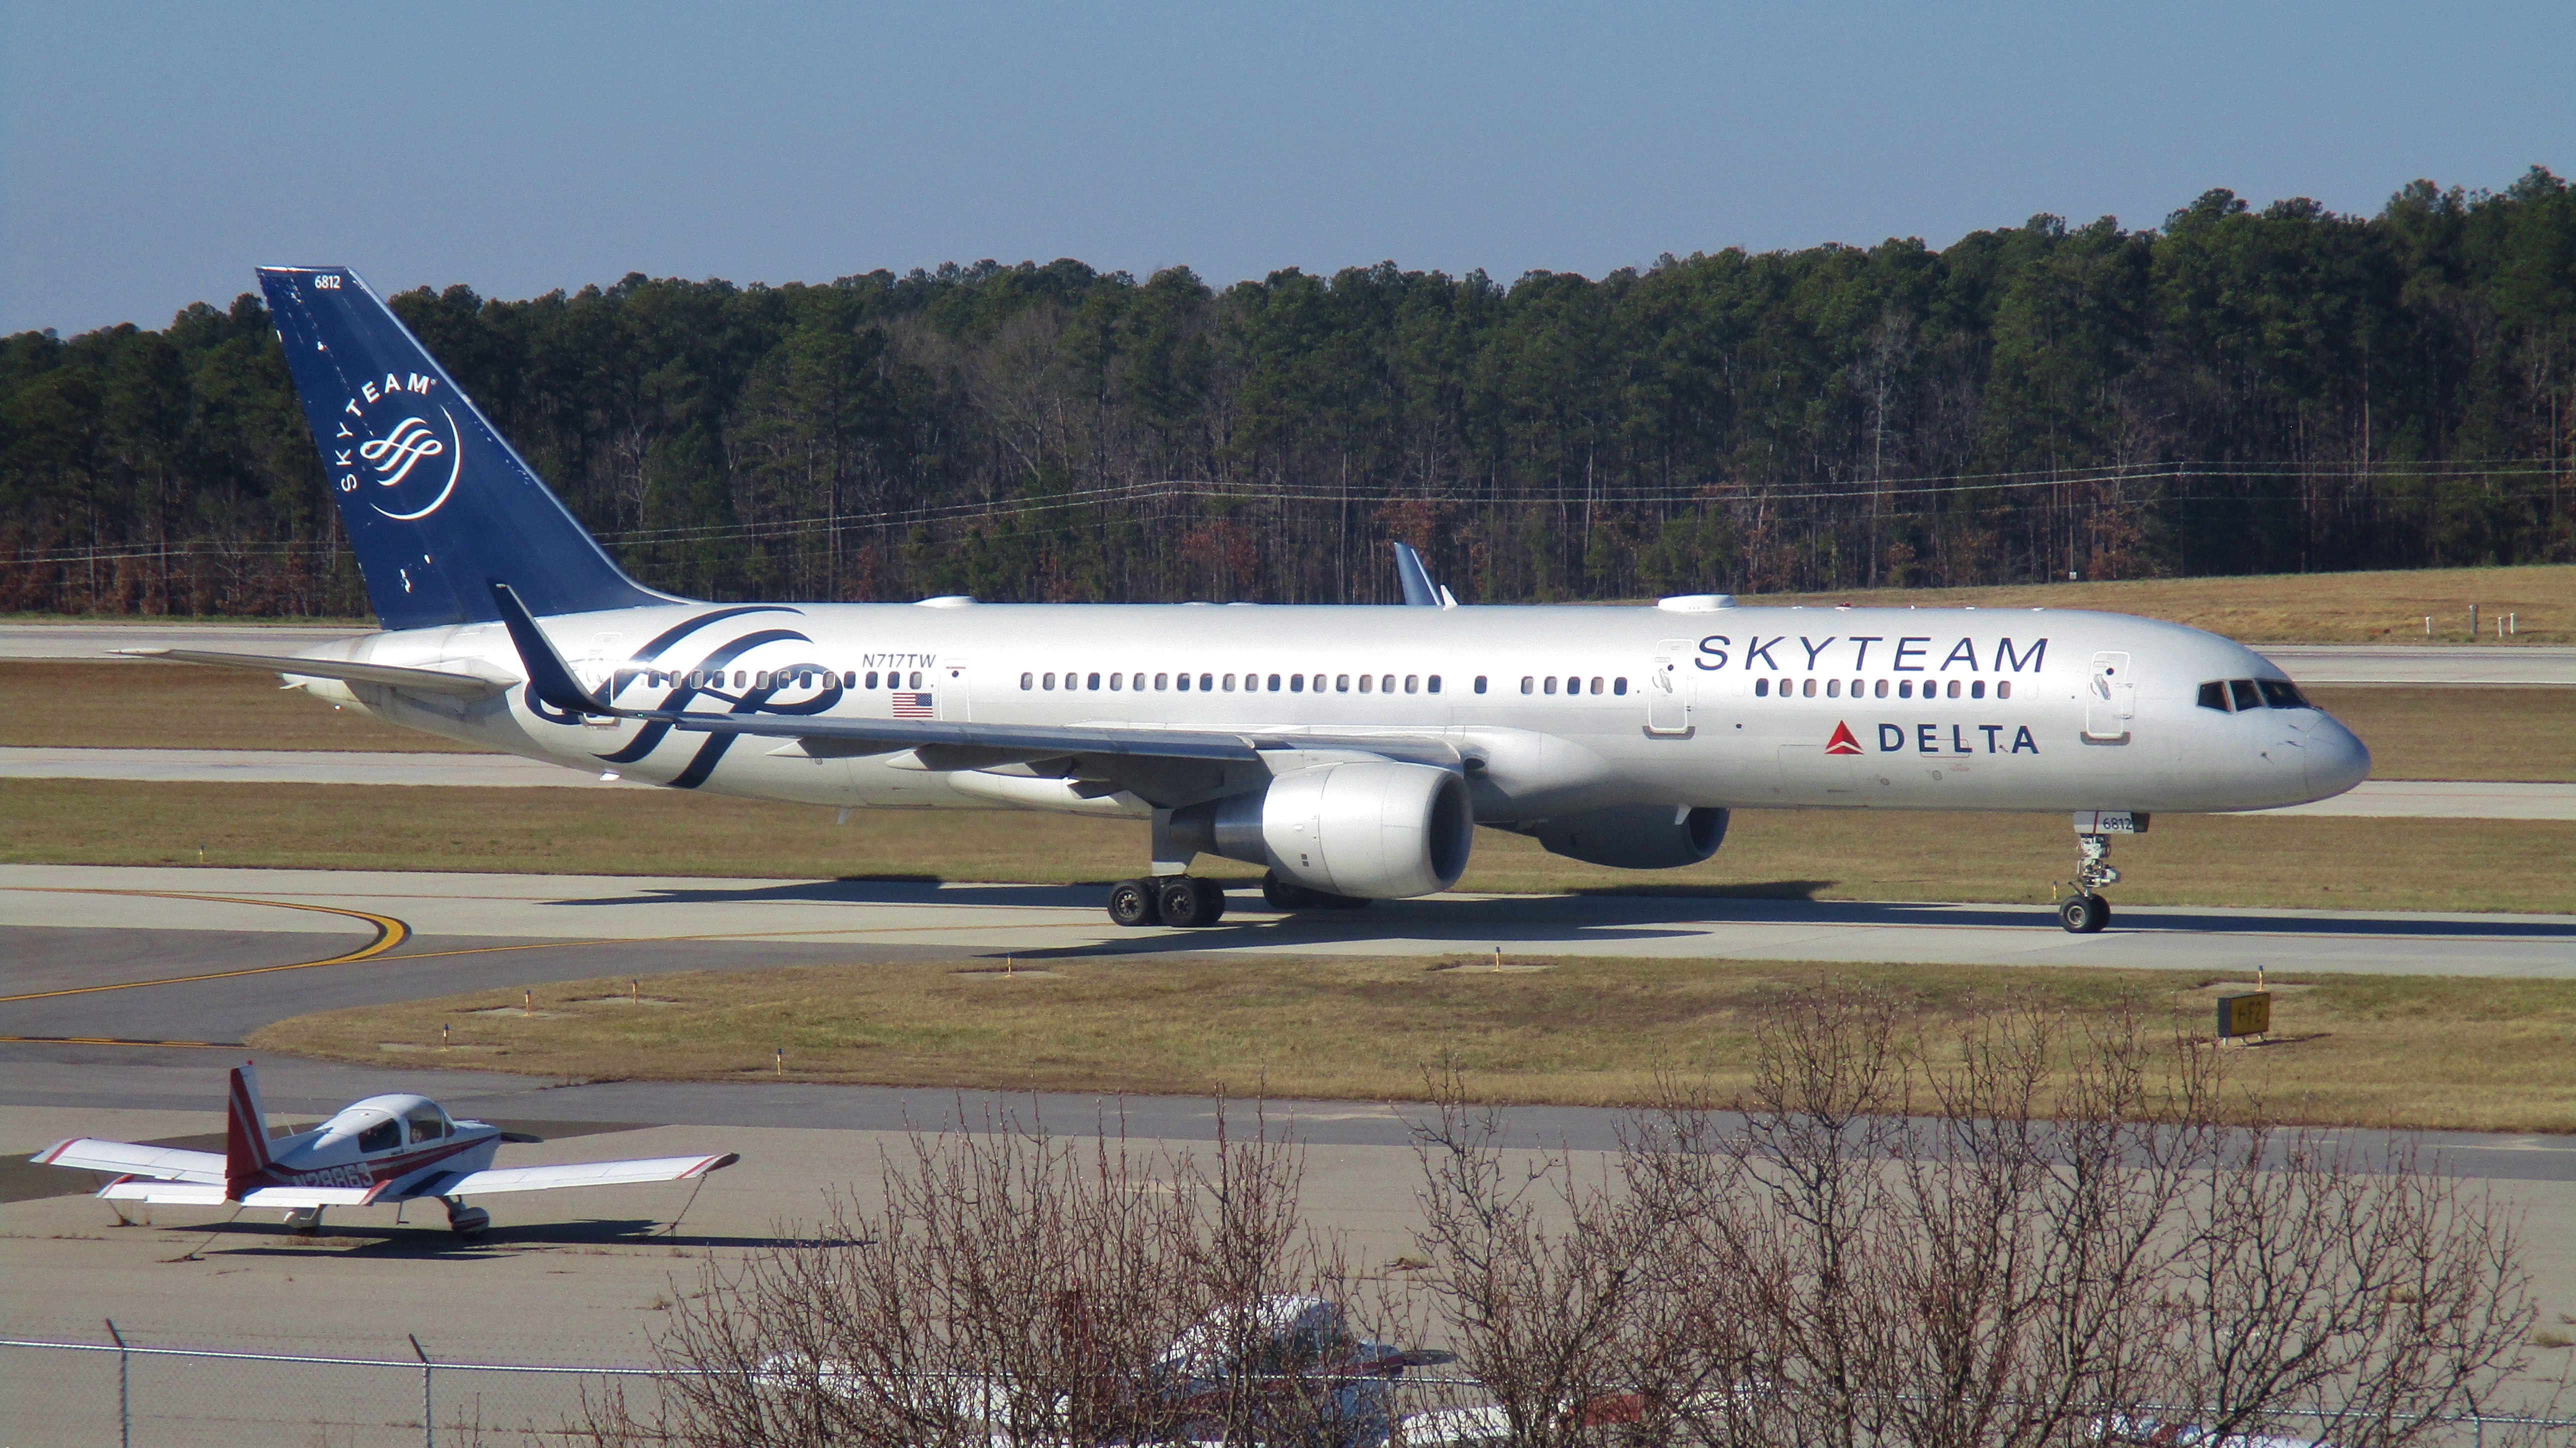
2085,912
1180,900
465,1221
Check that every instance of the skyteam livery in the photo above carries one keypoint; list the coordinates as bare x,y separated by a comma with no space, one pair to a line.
1350,750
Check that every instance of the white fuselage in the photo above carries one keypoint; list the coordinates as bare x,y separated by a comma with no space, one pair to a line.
1731,707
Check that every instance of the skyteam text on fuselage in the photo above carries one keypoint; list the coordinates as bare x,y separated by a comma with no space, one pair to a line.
1350,750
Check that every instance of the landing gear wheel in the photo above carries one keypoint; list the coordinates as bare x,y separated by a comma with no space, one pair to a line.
467,1222
1189,902
1286,894
2084,914
1132,903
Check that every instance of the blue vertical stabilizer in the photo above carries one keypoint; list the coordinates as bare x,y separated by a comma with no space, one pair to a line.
437,506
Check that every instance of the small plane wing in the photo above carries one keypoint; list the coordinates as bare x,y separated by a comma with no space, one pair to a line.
127,1158
393,676
579,1174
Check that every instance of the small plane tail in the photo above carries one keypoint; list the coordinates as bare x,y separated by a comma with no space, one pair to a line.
435,502
245,1134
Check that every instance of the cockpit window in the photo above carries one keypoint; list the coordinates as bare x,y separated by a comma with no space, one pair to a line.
2243,690
2282,694
2213,695
428,1123
383,1136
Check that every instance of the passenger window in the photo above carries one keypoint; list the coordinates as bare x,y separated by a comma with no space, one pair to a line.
1161,681
1274,683
1808,688
1341,683
1833,688
1409,682
1528,684
1367,682
1762,688
383,1136
740,679
1183,680
2243,692
1028,682
1480,683
1954,688
1296,683
850,680
1229,683
1113,682
916,678
1095,681
1386,685
2281,694
2003,689
1596,683
1208,681
1432,684
1977,689
1550,685
1619,685
1881,690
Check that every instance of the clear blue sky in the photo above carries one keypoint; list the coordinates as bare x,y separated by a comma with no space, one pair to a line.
152,155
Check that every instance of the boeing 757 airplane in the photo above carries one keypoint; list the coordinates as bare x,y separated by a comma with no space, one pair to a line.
1351,751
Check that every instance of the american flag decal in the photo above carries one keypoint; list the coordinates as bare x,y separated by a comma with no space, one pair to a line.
913,706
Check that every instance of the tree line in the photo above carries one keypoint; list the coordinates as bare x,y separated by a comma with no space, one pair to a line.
2237,390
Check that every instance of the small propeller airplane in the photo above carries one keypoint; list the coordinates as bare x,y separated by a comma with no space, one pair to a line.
385,1149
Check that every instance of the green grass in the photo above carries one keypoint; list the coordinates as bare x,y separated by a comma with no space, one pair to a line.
2378,864
2370,1050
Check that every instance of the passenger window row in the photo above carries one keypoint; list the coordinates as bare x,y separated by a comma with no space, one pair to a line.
2234,696
1867,688
1210,683
1536,684
775,679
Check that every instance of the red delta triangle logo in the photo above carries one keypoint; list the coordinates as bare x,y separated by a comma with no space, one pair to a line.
1842,742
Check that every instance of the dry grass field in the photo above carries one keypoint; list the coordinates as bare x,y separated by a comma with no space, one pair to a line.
2523,734
2365,1050
2310,608
2386,864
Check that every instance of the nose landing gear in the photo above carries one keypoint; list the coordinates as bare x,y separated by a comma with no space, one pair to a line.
2085,912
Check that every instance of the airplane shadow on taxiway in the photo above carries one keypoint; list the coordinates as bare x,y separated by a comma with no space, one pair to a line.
1629,911
432,1239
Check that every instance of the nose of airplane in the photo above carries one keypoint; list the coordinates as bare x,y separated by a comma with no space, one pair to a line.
2336,758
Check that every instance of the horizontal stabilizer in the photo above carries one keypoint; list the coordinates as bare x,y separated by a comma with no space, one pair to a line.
454,682
127,1158
583,1174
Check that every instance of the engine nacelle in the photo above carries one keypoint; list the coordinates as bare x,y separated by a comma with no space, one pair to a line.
1377,829
1634,837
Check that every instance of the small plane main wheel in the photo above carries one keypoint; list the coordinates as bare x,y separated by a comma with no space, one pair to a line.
1132,902
2084,914
1286,894
468,1221
1188,902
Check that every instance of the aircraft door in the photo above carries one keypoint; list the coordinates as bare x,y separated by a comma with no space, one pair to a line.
2110,699
956,700
1668,701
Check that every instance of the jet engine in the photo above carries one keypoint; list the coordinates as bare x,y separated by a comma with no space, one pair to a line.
1373,829
1633,837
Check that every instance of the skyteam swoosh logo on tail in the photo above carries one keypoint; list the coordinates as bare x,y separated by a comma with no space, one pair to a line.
392,436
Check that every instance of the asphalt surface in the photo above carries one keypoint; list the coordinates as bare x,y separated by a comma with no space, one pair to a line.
596,923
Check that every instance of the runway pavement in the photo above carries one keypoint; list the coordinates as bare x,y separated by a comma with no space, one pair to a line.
210,955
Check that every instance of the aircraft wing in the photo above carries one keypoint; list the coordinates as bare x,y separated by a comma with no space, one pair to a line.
579,1174
126,1158
419,681
211,1194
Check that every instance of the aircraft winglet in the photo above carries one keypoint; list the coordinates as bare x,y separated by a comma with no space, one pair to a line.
545,668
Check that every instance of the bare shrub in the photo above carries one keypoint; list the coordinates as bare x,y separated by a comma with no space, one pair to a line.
1016,1288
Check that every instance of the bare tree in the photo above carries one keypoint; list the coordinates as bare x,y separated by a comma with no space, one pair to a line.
1015,1288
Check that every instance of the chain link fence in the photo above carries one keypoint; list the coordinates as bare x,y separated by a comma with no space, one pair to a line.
123,1393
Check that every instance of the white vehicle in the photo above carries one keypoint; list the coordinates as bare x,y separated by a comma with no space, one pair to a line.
1350,750
385,1149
